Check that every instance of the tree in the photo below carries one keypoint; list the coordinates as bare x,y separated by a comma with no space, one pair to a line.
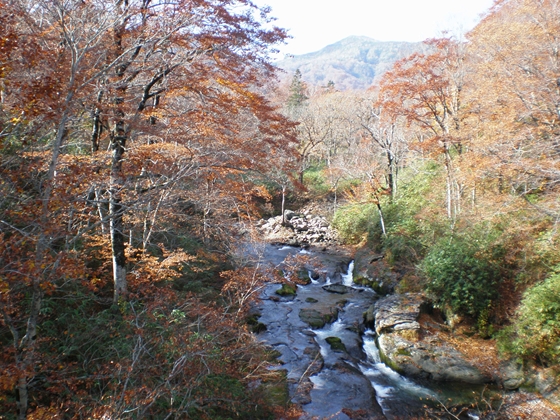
386,137
117,110
297,97
516,97
426,90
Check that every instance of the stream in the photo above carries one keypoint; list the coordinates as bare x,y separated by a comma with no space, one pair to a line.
335,381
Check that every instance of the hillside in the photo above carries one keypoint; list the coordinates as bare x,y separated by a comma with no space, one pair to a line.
352,63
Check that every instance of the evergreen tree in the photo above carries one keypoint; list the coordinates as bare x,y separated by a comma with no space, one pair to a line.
297,97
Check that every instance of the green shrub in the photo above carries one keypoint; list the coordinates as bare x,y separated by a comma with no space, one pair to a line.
536,331
355,221
314,179
463,273
411,221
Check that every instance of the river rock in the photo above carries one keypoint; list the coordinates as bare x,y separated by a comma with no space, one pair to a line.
299,229
548,384
400,345
398,312
426,361
316,319
371,270
341,289
511,373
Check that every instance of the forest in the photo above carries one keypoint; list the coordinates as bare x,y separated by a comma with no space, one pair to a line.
141,140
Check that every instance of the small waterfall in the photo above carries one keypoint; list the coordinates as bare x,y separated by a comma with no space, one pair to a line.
348,278
332,330
384,380
310,274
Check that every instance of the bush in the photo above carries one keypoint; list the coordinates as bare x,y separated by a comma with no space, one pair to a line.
463,274
314,179
537,327
355,221
410,218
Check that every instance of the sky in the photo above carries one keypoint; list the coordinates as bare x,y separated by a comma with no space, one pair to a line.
314,24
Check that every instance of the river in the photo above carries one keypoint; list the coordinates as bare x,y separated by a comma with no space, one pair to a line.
340,381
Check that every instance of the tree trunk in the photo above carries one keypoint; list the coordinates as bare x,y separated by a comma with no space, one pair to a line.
116,211
283,205
97,125
449,186
117,246
381,219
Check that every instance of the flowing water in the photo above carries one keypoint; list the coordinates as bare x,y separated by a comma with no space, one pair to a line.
329,382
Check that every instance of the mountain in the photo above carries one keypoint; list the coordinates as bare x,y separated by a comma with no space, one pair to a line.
352,63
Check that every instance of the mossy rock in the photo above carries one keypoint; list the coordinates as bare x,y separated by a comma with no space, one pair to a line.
336,344
316,319
253,322
379,288
287,290
303,276
389,362
311,300
362,281
276,390
403,352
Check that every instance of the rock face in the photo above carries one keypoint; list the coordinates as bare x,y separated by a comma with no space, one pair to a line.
398,313
300,229
402,347
371,270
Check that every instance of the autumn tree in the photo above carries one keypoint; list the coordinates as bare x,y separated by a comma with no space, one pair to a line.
516,96
426,89
385,136
119,112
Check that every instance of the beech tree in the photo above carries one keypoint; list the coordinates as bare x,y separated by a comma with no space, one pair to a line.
385,135
426,89
516,97
118,111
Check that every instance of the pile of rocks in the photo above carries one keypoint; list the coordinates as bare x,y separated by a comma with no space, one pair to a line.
300,229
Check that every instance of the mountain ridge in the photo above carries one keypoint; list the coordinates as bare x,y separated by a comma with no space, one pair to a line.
353,63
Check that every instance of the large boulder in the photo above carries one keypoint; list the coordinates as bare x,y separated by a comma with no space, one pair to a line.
398,313
370,269
427,361
402,347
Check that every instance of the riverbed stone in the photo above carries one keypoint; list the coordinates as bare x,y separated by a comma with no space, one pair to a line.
398,312
287,290
336,344
341,289
370,269
426,361
316,319
299,229
548,384
512,375
401,347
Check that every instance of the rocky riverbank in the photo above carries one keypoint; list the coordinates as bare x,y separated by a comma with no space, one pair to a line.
412,338
415,341
300,229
